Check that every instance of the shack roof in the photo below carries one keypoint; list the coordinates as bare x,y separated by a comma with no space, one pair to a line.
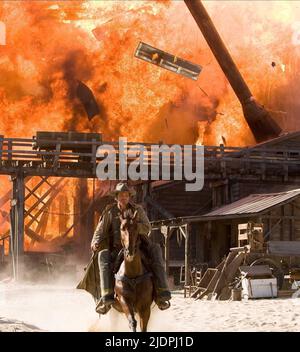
255,203
249,206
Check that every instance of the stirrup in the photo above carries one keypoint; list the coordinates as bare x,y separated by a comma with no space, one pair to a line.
102,308
163,305
105,303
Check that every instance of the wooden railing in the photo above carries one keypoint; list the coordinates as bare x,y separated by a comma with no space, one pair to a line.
20,152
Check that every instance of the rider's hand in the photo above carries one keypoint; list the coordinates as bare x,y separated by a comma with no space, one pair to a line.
95,247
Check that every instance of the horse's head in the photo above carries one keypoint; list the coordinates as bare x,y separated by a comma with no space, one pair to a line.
129,235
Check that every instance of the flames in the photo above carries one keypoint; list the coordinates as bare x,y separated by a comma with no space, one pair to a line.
50,45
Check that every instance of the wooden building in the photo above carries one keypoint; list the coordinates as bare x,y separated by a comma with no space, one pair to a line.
206,239
259,183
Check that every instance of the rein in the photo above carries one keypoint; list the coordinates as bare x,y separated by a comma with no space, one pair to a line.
133,281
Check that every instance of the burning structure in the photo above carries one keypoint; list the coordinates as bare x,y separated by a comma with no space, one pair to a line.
39,91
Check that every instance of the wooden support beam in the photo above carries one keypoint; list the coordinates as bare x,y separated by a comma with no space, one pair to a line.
9,147
20,192
167,235
54,194
33,235
41,227
57,183
45,178
222,161
167,254
34,195
17,222
88,209
282,223
286,167
1,145
187,254
32,217
56,158
35,188
292,223
182,231
4,199
45,205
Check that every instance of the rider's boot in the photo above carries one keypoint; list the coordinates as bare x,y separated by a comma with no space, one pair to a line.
163,294
106,282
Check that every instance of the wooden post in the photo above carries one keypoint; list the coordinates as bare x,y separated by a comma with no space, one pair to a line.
17,221
94,154
286,167
1,145
187,254
9,147
282,224
292,223
226,191
222,162
167,251
58,150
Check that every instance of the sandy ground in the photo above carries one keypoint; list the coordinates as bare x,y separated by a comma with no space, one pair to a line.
25,307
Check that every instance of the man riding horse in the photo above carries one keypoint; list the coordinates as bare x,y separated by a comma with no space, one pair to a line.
107,243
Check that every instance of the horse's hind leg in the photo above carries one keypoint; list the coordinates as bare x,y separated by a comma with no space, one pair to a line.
144,318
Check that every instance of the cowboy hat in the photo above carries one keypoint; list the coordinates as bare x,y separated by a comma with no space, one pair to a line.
122,187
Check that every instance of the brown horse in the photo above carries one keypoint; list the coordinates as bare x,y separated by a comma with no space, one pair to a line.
133,283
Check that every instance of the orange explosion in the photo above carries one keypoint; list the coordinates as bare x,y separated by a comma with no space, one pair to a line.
51,45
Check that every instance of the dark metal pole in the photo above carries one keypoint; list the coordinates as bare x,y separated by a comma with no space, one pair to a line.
260,122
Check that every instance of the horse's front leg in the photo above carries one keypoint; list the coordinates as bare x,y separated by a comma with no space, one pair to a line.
127,307
144,314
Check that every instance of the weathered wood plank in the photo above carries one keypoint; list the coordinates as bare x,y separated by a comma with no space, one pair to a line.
284,248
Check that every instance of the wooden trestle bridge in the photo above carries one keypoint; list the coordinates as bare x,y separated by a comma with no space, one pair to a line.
21,160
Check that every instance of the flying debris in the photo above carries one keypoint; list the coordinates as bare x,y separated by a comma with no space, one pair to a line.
167,61
86,96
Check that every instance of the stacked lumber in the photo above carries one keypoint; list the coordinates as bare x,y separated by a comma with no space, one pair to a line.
215,283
